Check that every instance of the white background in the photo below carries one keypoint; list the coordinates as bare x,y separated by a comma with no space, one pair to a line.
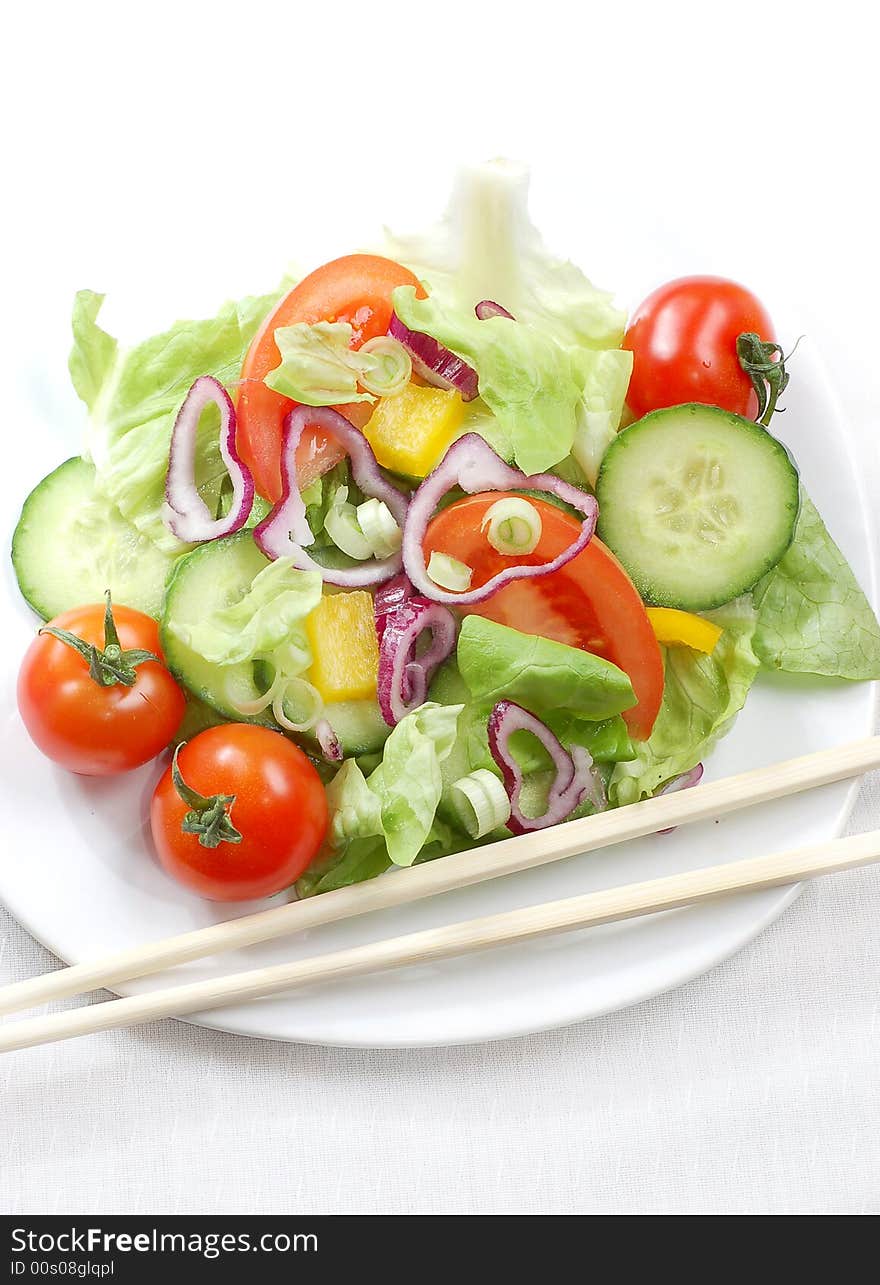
746,135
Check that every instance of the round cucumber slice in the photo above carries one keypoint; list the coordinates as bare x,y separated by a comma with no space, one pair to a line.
71,544
213,576
216,575
697,503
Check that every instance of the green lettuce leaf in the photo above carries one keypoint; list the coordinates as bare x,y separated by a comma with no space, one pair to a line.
552,379
488,248
272,613
701,696
531,383
498,662
318,366
359,860
388,817
598,414
812,616
408,782
133,397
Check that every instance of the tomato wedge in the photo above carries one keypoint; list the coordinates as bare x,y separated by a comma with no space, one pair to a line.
590,603
357,289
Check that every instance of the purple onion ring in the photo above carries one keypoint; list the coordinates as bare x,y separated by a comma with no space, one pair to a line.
387,598
328,741
186,513
576,778
285,531
487,308
471,464
684,782
404,677
434,363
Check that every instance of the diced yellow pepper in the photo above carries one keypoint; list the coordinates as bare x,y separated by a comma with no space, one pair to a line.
345,653
410,433
682,629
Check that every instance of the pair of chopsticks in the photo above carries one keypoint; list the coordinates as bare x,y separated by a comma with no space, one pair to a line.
505,857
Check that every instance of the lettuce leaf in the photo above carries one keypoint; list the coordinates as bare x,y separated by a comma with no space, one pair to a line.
318,366
408,782
812,615
701,696
387,818
498,662
530,383
599,413
272,613
487,247
536,376
133,397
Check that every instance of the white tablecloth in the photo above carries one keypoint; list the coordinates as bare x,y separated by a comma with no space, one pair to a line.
752,1088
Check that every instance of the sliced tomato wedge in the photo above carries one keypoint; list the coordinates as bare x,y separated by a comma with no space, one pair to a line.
590,603
357,289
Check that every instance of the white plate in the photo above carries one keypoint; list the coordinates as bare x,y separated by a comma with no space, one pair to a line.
78,872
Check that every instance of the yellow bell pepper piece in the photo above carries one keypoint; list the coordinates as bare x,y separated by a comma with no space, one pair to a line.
410,433
345,653
682,629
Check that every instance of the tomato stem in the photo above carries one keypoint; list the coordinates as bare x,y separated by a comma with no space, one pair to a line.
764,363
208,816
111,665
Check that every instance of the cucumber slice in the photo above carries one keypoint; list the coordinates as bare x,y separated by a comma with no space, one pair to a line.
71,544
697,503
358,724
213,576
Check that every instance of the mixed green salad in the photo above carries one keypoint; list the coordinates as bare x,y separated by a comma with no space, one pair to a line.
425,549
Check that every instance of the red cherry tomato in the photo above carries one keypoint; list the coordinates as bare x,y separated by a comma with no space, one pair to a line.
683,342
589,603
357,289
89,728
279,809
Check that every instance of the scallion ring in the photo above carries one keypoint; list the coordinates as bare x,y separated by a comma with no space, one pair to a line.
481,803
514,526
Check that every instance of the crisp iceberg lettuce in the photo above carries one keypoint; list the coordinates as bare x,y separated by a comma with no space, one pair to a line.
388,817
271,614
133,396
701,696
554,378
318,366
599,412
488,248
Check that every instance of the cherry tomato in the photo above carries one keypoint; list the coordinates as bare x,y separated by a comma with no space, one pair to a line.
271,796
357,289
87,727
683,342
589,603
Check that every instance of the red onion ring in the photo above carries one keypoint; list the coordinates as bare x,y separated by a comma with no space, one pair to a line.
404,678
186,513
387,598
328,741
487,308
575,781
471,464
434,363
285,531
684,782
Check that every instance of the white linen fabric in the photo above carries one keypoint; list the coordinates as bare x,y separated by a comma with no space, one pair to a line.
753,1088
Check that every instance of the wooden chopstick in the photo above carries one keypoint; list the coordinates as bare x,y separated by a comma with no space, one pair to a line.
508,856
586,911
